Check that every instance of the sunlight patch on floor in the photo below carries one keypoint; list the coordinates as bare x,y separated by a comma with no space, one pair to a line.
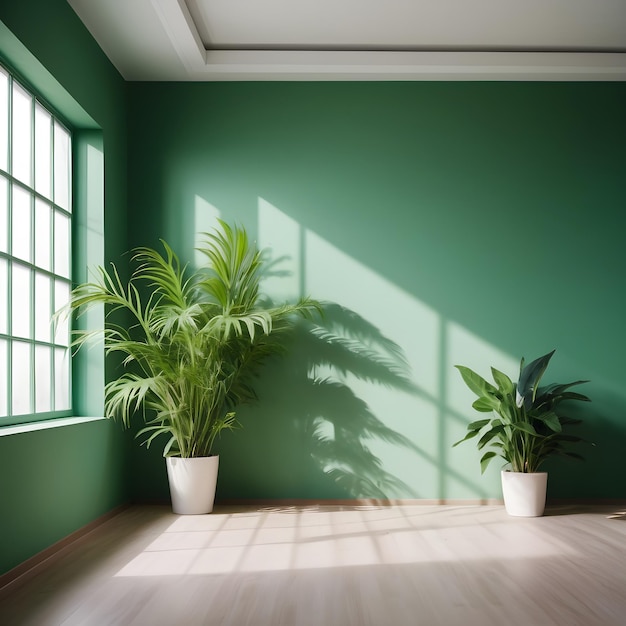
266,542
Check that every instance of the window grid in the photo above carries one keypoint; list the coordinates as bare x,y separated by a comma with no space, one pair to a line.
35,257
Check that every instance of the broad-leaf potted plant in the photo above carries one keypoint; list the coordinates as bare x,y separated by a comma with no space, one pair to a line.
193,345
527,428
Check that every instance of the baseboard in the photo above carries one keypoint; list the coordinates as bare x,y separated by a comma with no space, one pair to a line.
382,502
28,568
356,502
586,502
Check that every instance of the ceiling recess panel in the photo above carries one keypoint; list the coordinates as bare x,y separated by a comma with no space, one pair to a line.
360,39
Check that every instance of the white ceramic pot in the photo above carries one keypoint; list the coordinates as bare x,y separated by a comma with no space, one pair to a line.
524,494
192,484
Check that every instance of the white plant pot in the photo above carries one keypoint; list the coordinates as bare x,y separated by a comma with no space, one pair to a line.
524,494
192,484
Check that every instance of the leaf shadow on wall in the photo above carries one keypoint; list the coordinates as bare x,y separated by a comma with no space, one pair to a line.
312,427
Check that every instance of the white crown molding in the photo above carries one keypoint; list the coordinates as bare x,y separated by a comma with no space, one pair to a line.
182,32
206,65
315,65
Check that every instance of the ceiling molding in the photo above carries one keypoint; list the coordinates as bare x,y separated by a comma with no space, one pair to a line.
182,32
170,47
344,65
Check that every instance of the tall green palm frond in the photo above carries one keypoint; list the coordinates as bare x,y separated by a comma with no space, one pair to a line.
194,342
234,269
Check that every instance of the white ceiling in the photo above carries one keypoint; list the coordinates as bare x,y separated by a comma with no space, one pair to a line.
360,39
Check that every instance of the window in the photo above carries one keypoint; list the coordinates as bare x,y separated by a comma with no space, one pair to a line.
35,256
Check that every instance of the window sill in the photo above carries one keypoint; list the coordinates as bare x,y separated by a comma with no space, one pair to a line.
45,425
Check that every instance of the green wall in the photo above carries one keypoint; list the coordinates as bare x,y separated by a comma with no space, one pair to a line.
470,223
55,481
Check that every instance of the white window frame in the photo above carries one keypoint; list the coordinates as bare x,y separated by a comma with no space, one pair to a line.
35,361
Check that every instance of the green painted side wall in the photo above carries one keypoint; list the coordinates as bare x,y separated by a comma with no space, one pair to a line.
469,223
55,481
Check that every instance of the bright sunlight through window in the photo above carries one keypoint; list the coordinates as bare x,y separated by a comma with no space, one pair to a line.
35,256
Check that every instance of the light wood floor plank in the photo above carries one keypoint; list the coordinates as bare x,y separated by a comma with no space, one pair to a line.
334,566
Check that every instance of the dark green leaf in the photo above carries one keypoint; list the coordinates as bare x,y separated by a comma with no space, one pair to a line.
486,459
478,424
489,435
470,435
571,395
530,376
567,421
557,388
569,438
525,427
551,420
573,455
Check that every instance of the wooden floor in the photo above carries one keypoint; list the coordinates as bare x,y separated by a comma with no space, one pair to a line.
334,566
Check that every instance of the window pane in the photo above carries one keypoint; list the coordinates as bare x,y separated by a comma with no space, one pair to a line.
21,224
20,301
43,234
35,254
43,376
22,134
61,380
43,307
4,214
61,298
21,372
4,120
43,154
61,244
61,166
4,296
4,379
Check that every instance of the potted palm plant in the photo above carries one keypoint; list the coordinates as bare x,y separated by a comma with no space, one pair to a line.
527,428
194,342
